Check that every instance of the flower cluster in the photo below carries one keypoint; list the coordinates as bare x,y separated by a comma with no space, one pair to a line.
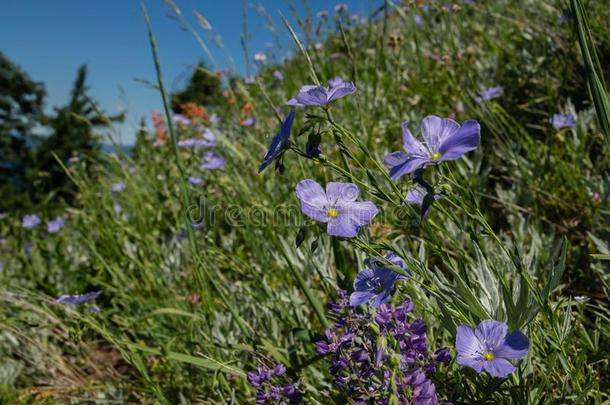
206,140
272,385
379,356
33,220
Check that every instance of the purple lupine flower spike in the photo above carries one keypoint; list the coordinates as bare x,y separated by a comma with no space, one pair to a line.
444,139
488,348
269,387
560,121
279,141
212,161
360,344
337,207
78,299
376,282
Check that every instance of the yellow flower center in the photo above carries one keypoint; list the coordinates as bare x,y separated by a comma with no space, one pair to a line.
332,213
435,156
488,356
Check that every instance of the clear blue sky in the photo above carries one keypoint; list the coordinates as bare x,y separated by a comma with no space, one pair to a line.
50,39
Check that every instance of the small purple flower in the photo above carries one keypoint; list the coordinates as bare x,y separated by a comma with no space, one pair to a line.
181,120
376,281
279,141
30,221
279,370
195,143
489,94
55,225
419,21
214,119
195,181
207,140
321,96
78,299
337,207
117,208
117,187
269,387
277,75
249,80
488,348
248,122
560,121
444,139
212,161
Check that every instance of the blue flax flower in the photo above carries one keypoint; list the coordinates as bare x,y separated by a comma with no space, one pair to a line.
30,221
248,122
488,348
181,120
207,140
444,139
489,94
279,141
337,207
78,299
376,282
212,161
195,181
277,75
560,121
55,225
321,96
117,187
